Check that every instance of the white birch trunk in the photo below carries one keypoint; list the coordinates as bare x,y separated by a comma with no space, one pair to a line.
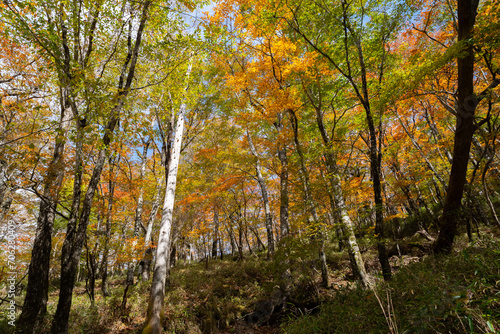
138,215
348,226
155,308
148,251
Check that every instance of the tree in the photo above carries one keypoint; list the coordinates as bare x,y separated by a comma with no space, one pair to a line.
112,162
265,198
467,102
360,56
24,125
155,307
138,219
75,234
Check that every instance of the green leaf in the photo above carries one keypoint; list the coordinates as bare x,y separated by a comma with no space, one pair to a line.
490,326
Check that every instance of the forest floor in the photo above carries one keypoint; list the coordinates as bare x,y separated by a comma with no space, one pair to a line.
458,293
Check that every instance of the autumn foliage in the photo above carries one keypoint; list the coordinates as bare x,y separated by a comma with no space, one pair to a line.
332,124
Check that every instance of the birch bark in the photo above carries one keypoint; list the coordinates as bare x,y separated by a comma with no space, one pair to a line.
138,221
338,202
153,323
148,253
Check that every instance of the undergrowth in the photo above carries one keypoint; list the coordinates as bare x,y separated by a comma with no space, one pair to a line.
459,293
206,300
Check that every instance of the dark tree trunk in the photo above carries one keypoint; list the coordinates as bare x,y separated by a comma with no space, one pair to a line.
260,244
173,256
284,198
240,239
465,127
231,238
91,273
72,247
75,235
216,233
325,279
107,237
35,302
221,249
375,170
375,160
250,250
284,227
36,294
146,264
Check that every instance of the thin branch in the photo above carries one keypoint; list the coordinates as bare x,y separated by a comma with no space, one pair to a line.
429,36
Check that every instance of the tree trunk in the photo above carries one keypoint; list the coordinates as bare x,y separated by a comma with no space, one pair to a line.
35,302
216,233
148,253
486,192
232,240
75,235
240,238
250,250
71,251
284,198
466,107
265,199
259,241
5,203
338,203
137,223
107,237
325,280
91,273
3,182
166,152
348,229
153,322
375,162
304,175
173,256
221,249
37,289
